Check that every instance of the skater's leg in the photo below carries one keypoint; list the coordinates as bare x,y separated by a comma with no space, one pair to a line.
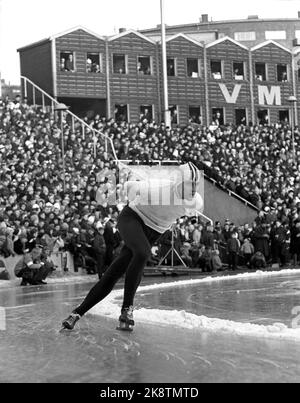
107,282
137,241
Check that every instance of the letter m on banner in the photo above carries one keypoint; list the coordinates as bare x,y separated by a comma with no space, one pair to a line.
266,97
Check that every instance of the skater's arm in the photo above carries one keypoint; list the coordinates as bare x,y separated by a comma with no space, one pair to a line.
196,205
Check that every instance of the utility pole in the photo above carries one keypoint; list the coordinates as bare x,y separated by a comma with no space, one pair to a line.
167,115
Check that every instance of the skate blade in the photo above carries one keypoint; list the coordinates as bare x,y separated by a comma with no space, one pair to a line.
64,330
123,327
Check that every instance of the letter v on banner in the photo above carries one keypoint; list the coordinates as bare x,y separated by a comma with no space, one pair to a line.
231,99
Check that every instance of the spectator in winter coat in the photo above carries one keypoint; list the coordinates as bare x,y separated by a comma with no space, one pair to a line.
278,243
216,262
208,238
99,249
295,242
233,248
32,269
247,250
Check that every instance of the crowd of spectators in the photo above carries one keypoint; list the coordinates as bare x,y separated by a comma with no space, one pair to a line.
36,208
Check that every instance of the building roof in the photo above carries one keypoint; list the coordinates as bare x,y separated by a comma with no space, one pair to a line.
125,33
262,45
171,38
224,39
59,35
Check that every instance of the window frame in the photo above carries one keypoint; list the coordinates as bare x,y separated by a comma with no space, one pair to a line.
125,63
74,61
198,64
222,69
177,108
150,62
287,72
200,110
244,71
100,61
175,66
266,72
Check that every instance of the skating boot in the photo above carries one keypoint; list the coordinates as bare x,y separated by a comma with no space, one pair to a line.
126,320
70,322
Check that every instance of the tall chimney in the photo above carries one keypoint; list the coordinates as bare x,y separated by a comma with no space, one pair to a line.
204,17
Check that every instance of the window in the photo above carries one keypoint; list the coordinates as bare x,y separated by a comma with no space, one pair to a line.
297,34
282,73
238,71
174,114
144,65
245,36
263,116
93,63
171,68
218,116
241,117
195,114
216,69
284,116
146,113
119,64
193,68
260,71
121,113
276,35
67,62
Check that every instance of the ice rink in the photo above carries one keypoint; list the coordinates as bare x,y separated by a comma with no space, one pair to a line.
179,347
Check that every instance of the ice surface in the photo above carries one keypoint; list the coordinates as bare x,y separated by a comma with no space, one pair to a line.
277,330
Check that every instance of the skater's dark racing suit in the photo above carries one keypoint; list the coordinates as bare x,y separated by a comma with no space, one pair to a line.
141,225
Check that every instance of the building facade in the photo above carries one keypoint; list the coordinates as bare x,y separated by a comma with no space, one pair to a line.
121,76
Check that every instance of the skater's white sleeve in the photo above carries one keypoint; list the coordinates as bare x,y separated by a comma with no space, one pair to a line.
197,205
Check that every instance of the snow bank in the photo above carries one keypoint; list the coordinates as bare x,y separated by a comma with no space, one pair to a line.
111,309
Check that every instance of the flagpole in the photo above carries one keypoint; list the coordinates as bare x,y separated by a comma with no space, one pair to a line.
164,63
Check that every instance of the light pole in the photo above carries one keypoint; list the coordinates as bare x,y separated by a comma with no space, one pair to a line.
164,63
292,101
62,108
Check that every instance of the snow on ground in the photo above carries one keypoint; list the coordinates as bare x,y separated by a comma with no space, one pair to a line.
110,308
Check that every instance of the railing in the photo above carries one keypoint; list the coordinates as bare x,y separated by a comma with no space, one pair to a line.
231,193
36,90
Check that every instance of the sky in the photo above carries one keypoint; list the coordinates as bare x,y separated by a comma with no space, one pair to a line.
26,21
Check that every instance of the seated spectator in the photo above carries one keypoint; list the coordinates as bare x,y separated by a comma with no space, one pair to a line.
258,261
186,255
32,268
